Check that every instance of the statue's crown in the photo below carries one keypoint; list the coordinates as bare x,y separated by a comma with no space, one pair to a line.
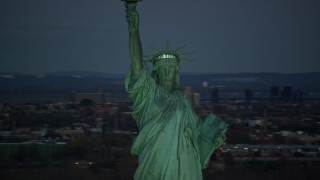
166,56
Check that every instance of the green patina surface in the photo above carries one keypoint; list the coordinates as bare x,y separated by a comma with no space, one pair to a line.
173,142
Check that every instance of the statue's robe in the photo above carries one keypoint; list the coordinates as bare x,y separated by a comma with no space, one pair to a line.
173,142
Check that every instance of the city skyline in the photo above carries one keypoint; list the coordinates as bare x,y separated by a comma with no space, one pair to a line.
226,36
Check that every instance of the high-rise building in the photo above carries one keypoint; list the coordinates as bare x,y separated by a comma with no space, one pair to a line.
286,93
248,95
196,99
215,95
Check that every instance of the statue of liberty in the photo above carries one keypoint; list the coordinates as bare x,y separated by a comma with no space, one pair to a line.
173,142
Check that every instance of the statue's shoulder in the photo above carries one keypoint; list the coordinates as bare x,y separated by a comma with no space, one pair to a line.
182,95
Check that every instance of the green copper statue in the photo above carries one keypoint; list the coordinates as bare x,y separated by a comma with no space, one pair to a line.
173,142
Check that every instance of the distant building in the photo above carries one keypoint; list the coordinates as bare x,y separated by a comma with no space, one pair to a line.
98,97
194,97
274,92
205,84
286,93
248,95
215,95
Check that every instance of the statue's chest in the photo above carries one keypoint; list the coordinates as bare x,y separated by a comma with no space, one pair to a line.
168,104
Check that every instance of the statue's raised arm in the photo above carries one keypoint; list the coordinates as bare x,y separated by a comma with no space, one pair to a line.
134,37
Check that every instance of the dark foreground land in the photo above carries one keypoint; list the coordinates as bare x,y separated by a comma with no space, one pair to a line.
280,169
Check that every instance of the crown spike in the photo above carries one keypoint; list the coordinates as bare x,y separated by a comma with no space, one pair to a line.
154,49
179,48
148,56
166,55
167,46
187,53
187,60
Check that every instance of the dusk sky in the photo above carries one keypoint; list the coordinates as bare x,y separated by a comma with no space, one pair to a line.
227,36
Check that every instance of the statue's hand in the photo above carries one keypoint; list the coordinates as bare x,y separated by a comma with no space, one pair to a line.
132,18
130,5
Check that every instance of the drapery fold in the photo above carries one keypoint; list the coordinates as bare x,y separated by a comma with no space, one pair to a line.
173,143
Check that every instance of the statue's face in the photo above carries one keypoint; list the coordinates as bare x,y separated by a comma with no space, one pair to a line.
166,72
